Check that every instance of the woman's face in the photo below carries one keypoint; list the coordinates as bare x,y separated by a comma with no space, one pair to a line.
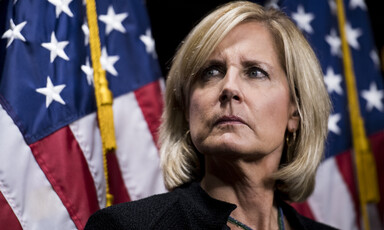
240,103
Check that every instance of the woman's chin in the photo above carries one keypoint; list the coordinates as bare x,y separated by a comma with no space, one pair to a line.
226,149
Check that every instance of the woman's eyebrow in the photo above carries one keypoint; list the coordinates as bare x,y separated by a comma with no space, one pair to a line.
214,62
251,63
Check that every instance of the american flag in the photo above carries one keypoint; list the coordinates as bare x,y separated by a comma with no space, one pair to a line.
51,168
335,200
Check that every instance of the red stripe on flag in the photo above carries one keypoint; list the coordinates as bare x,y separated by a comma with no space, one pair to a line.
7,216
345,164
64,165
149,98
116,182
304,209
377,144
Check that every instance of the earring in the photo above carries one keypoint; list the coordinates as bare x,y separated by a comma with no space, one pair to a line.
287,140
290,138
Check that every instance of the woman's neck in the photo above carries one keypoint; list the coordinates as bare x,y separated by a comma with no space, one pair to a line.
247,184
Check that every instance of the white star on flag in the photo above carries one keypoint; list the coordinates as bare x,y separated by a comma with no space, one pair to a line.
149,43
352,35
375,58
333,81
62,6
51,92
373,96
56,48
85,30
332,6
272,4
14,32
332,123
334,42
353,4
303,20
108,62
88,70
113,21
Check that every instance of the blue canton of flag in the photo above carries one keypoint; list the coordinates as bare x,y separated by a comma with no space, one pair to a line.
51,167
50,62
335,199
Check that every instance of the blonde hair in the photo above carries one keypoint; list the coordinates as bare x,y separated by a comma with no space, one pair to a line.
181,162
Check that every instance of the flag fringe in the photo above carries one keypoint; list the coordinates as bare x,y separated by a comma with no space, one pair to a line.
104,98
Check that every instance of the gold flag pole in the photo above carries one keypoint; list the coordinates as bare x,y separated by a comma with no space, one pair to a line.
104,96
365,164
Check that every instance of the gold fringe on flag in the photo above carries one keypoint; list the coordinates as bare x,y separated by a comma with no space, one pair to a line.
104,96
364,160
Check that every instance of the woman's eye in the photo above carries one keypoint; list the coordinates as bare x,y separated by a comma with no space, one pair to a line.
212,71
256,72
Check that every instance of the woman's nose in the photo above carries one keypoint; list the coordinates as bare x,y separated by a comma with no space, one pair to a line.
231,89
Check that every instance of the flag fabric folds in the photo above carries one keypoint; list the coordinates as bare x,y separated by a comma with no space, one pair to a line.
335,200
51,167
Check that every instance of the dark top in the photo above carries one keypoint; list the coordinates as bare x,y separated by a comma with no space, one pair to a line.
187,207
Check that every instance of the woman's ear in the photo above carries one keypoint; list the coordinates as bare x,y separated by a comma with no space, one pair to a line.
294,119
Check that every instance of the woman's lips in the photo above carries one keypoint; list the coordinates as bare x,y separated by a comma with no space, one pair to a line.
229,120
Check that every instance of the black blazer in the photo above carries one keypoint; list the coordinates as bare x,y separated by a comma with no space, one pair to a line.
187,207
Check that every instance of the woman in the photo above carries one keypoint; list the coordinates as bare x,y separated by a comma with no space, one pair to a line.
243,128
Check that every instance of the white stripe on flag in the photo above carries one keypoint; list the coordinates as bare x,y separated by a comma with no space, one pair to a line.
87,135
136,151
25,186
331,202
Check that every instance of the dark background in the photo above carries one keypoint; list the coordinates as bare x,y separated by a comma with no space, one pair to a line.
172,20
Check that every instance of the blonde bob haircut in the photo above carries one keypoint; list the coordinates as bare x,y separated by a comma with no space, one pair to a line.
180,160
